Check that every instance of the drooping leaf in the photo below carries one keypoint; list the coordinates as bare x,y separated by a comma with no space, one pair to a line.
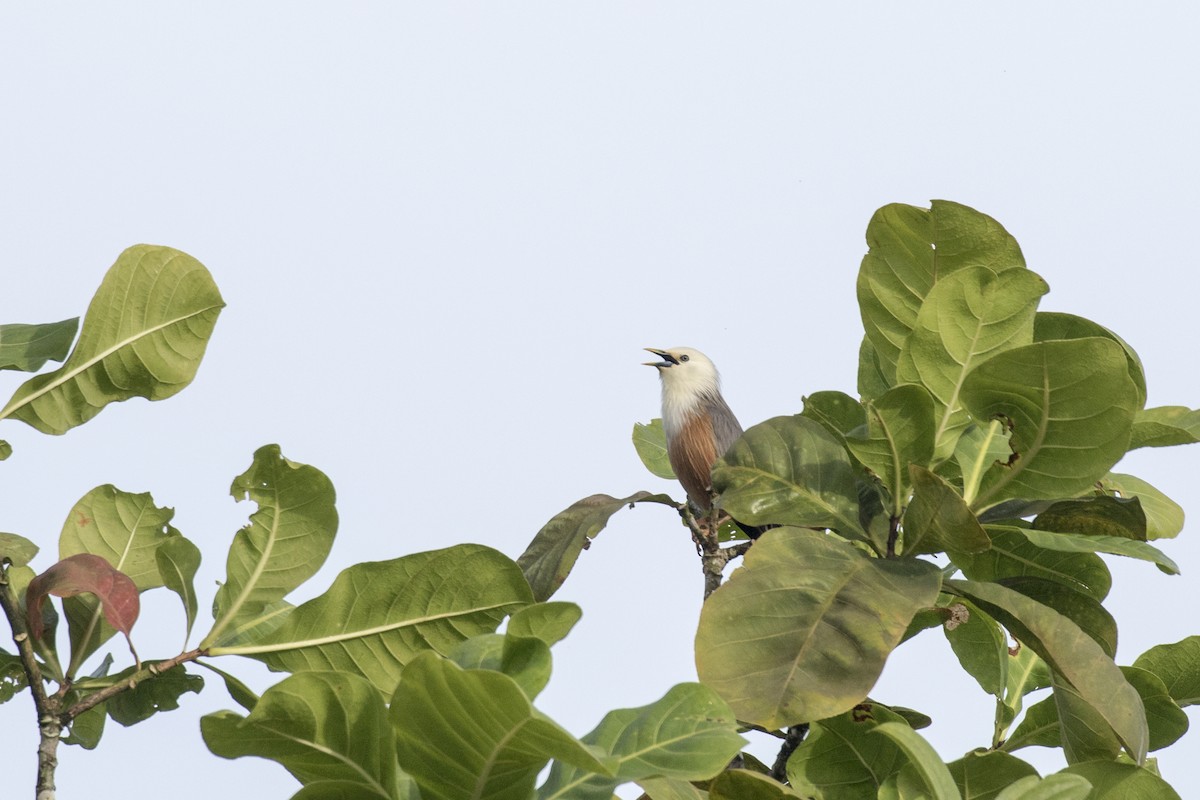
143,336
983,775
178,559
742,784
1112,780
1077,606
981,647
551,555
320,726
239,692
1164,517
1083,732
524,659
938,519
1100,515
1165,426
286,542
1052,787
28,347
1070,407
17,550
1025,672
838,412
550,622
899,433
802,630
1116,545
911,249
1071,653
472,733
85,572
689,734
966,318
377,616
650,441
1051,325
789,471
1038,728
923,758
1168,722
148,697
1012,555
1178,666
839,760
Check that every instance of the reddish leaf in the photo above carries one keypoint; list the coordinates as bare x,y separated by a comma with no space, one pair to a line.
85,572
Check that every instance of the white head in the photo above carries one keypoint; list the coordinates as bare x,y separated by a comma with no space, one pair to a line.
688,377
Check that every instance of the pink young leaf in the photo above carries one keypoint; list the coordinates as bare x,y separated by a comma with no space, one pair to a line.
85,572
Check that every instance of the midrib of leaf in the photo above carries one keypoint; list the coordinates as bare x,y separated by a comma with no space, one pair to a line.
259,568
971,480
320,748
72,374
1034,447
490,763
358,633
897,500
958,382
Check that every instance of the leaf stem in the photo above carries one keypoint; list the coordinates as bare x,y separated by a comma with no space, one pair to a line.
152,670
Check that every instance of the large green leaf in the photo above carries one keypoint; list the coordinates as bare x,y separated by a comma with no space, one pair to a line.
1074,604
982,775
1178,666
1079,543
1165,426
1071,653
28,347
938,519
524,659
967,317
837,411
144,335
839,760
1012,555
1070,406
923,758
689,734
286,542
1099,515
1051,325
550,622
1052,787
981,646
377,616
549,558
465,734
178,559
321,726
899,433
1164,517
1112,780
802,630
911,249
148,697
672,789
650,441
789,471
125,530
742,784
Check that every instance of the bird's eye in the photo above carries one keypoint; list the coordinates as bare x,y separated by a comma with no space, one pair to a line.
683,358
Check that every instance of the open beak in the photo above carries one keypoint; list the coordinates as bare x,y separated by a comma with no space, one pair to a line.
668,359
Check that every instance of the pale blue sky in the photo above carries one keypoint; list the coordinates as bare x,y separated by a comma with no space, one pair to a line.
444,232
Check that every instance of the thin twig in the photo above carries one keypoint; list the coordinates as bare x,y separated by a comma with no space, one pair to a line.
152,670
893,534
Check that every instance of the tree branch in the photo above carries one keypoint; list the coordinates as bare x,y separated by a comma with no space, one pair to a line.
795,735
149,671
49,722
713,557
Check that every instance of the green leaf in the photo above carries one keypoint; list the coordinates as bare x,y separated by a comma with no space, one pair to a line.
1070,407
1164,517
28,347
981,647
1071,653
1012,555
1026,672
966,318
239,692
741,784
983,775
938,519
178,559
1116,545
12,676
789,471
17,550
550,622
406,789
472,733
1112,780
1095,516
1050,325
144,335
1178,665
1079,607
838,412
1038,728
5,450
923,757
671,789
320,726
899,433
1165,426
549,558
377,616
286,542
1053,787
911,249
148,697
650,441
87,728
839,760
978,449
871,380
689,734
1083,733
525,660
1168,722
801,632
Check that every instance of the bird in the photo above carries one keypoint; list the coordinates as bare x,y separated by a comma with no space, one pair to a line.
699,424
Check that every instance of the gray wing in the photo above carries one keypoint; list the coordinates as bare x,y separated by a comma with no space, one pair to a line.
726,429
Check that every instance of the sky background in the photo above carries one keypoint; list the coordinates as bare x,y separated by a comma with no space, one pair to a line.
445,231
